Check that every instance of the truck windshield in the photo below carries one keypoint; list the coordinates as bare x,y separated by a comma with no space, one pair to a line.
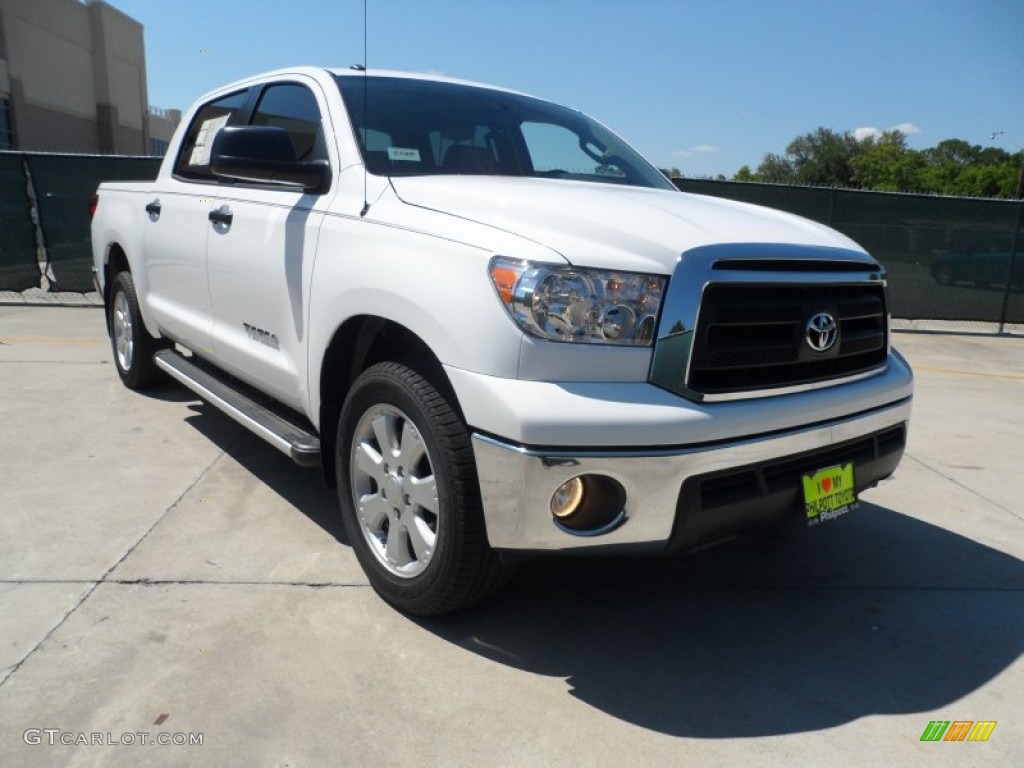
410,127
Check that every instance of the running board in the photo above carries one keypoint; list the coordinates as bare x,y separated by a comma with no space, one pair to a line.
300,445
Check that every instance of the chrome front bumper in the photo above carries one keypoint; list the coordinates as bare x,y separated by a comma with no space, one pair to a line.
517,483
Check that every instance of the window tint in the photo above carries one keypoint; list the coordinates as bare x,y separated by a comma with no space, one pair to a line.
194,156
293,107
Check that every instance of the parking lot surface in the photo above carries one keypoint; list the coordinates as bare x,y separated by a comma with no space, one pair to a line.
163,572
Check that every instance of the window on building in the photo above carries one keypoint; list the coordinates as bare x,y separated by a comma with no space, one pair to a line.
6,126
158,147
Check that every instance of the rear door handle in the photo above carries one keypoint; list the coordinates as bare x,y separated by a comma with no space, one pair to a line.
153,208
221,216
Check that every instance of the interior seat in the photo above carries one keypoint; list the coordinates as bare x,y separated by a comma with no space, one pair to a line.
462,158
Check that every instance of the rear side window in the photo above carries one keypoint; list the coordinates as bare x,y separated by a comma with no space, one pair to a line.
194,156
293,108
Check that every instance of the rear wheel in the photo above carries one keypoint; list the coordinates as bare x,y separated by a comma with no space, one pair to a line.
133,347
409,494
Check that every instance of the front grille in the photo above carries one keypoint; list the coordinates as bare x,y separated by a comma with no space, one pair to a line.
796,265
752,337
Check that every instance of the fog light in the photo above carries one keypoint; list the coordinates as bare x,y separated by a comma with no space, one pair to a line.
567,498
589,505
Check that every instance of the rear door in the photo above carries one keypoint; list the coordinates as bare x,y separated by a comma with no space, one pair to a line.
177,226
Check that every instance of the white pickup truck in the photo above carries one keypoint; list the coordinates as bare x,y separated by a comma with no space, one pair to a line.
498,329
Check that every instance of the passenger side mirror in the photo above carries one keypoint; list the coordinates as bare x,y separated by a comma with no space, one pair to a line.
265,153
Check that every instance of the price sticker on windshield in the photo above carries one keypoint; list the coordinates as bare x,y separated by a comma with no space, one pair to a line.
829,493
404,154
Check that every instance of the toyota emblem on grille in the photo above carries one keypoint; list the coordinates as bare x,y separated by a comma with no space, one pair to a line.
822,332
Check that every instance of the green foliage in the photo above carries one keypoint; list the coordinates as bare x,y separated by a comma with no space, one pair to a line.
744,174
885,163
775,169
823,158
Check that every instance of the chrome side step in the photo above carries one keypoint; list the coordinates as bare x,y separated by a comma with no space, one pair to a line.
301,445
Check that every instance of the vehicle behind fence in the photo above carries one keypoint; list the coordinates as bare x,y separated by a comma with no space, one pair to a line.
947,258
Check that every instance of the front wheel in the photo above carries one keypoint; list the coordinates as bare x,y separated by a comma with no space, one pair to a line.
409,494
133,347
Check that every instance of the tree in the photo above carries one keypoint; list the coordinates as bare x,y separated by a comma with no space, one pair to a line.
954,152
987,181
884,162
744,174
888,165
775,169
958,168
824,157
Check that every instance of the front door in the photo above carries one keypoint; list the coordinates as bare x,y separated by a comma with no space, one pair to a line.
260,256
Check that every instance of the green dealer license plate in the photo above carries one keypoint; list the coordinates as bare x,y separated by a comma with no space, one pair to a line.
829,493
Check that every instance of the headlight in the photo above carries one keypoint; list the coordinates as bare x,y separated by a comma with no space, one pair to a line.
585,306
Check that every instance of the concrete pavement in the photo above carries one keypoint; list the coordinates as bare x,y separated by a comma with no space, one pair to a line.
164,572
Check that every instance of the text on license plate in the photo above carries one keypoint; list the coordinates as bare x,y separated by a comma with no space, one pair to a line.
829,493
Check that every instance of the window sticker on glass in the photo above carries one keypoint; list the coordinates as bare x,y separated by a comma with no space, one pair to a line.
204,141
400,153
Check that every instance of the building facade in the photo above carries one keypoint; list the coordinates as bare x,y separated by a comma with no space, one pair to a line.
73,79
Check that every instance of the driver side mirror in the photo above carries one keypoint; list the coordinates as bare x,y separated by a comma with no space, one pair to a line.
265,153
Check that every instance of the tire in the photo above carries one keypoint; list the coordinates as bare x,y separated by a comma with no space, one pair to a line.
410,499
131,343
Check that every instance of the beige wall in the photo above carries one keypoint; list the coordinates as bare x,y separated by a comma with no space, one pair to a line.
76,76
54,69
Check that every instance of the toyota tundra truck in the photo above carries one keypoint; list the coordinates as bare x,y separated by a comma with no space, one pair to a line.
498,329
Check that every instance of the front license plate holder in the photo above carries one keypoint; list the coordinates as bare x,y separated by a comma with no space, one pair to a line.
829,493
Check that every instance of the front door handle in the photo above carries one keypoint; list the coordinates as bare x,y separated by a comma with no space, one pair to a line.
221,216
153,208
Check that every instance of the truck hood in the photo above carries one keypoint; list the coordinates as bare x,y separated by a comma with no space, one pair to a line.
606,225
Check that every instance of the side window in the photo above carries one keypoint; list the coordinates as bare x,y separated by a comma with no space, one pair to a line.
194,156
293,107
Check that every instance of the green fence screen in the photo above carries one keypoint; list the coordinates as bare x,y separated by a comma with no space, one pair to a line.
63,185
19,264
947,258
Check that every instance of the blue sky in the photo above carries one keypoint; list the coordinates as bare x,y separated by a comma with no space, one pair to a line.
703,85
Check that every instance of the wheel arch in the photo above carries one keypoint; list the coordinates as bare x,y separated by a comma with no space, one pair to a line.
358,343
116,261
